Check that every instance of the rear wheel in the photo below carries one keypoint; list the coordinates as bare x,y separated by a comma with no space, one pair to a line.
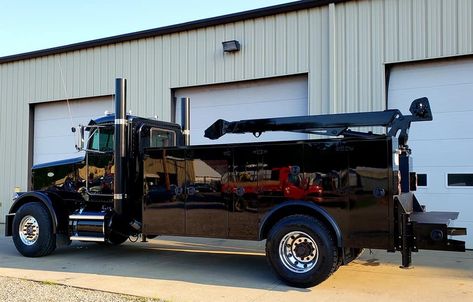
33,230
301,251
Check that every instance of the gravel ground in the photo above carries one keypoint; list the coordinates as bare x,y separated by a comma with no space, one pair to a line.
18,290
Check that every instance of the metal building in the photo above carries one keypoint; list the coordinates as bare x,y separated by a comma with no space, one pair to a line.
298,58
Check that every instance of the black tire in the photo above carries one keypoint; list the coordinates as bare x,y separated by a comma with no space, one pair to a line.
356,252
36,238
339,262
303,237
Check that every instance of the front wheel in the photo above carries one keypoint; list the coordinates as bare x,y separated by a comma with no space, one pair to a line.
301,251
33,230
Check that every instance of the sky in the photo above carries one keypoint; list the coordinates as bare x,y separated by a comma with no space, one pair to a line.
28,25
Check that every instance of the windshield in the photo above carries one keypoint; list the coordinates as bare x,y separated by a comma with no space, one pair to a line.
101,139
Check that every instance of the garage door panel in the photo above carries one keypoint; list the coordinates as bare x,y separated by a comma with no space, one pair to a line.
48,143
53,128
455,98
247,103
449,125
248,111
444,126
253,110
443,153
251,91
53,139
432,74
246,100
52,113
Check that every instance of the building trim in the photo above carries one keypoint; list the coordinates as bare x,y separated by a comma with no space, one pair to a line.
192,25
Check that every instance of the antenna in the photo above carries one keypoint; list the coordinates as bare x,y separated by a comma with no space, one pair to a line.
65,92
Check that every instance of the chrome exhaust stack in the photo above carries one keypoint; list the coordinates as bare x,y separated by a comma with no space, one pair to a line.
120,147
186,120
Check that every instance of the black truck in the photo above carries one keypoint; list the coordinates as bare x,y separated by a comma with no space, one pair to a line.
317,202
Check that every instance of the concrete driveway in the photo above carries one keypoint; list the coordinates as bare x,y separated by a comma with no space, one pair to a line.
194,269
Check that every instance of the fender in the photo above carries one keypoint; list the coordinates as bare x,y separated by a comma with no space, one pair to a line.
295,205
28,197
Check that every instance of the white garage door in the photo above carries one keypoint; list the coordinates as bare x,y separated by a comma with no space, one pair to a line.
245,100
442,149
53,139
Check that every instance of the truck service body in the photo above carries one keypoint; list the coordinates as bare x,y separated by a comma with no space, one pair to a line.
316,202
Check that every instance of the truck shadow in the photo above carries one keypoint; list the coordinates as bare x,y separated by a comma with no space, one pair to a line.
196,260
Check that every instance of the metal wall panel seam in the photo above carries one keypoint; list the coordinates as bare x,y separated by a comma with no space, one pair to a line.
293,54
21,139
364,57
280,44
333,76
302,39
239,59
377,29
10,126
269,46
449,32
249,49
405,9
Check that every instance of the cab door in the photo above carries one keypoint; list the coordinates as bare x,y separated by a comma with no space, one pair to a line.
163,184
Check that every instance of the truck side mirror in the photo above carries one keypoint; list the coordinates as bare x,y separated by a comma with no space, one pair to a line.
79,137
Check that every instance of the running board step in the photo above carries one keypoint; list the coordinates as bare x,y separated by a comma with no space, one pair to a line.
87,238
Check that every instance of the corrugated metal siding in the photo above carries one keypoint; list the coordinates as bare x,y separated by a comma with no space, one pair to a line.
342,47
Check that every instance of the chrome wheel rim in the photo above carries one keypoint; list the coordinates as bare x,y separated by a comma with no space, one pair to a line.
298,252
28,230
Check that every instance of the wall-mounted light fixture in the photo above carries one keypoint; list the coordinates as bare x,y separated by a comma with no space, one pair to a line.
231,46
